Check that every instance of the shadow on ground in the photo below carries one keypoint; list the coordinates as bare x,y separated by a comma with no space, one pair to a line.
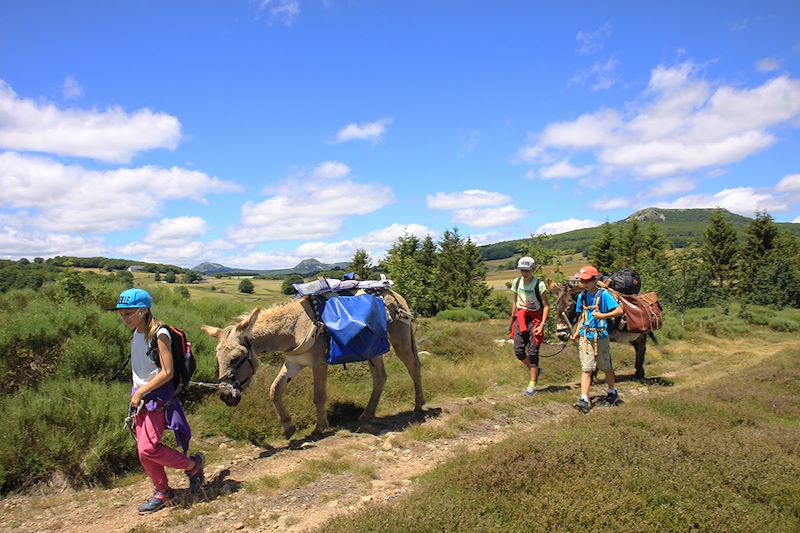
215,486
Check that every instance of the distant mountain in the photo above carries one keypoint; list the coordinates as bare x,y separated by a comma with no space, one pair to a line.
306,267
680,228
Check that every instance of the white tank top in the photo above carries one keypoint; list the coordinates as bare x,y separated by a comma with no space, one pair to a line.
142,367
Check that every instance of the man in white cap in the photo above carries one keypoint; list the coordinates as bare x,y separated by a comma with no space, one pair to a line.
529,315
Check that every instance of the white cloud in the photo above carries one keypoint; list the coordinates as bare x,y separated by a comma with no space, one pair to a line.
600,76
71,89
376,243
70,198
370,131
670,187
489,217
529,154
186,253
797,220
563,226
609,204
309,207
330,170
466,199
176,230
768,64
745,201
790,183
283,11
563,169
588,131
681,123
590,42
18,241
112,135
471,143
479,239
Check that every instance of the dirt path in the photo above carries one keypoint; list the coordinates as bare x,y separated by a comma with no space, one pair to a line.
380,464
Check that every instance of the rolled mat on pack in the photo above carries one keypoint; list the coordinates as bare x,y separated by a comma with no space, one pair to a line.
357,326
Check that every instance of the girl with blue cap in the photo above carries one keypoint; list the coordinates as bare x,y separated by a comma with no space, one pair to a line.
152,399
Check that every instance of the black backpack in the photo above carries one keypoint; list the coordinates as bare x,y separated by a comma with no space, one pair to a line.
183,361
626,281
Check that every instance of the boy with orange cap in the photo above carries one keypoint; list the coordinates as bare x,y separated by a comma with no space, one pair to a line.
595,307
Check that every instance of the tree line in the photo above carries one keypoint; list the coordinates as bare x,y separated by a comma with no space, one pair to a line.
762,267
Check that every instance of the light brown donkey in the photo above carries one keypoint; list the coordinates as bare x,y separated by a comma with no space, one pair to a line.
291,328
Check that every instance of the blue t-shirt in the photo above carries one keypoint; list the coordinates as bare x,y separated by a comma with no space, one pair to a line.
605,304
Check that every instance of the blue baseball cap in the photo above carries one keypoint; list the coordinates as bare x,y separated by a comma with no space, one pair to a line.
133,299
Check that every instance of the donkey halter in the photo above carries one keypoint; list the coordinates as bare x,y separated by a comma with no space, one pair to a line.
237,363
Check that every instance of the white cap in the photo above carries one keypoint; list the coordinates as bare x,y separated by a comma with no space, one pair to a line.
526,263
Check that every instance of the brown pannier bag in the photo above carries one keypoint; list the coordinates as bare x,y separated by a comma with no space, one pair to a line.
642,312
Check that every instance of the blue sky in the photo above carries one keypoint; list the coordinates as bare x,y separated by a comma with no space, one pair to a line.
260,133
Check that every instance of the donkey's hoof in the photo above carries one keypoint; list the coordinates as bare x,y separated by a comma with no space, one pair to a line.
288,431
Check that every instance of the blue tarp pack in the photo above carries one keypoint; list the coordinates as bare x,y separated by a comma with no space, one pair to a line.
357,326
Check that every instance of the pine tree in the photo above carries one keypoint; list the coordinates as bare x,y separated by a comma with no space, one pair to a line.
720,248
759,241
428,303
402,267
452,274
654,267
361,264
630,246
602,252
477,290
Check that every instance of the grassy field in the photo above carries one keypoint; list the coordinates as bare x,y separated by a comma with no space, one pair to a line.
498,274
721,453
266,291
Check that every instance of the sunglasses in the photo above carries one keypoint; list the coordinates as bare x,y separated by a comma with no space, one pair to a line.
127,313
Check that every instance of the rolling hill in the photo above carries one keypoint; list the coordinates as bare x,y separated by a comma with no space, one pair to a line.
680,228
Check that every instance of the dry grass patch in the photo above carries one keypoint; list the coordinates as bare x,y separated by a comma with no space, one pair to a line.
703,456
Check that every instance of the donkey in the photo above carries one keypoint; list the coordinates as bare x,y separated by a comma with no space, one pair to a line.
566,295
291,328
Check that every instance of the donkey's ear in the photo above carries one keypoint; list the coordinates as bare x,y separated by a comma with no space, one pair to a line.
249,321
211,331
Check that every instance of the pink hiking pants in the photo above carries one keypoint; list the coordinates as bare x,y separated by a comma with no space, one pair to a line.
153,455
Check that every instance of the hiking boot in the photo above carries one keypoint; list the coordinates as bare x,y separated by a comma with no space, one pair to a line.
157,501
583,406
612,399
197,474
530,391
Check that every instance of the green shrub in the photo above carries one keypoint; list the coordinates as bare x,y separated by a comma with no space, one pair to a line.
783,324
71,427
460,314
498,305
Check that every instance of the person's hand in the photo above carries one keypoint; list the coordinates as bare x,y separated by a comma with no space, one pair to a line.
136,398
538,330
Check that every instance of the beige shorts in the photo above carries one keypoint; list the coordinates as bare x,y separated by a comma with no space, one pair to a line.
590,360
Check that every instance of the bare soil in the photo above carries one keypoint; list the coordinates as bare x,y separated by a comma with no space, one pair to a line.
233,499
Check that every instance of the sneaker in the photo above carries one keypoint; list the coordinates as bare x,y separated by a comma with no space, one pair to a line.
611,399
583,406
157,501
530,391
197,474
